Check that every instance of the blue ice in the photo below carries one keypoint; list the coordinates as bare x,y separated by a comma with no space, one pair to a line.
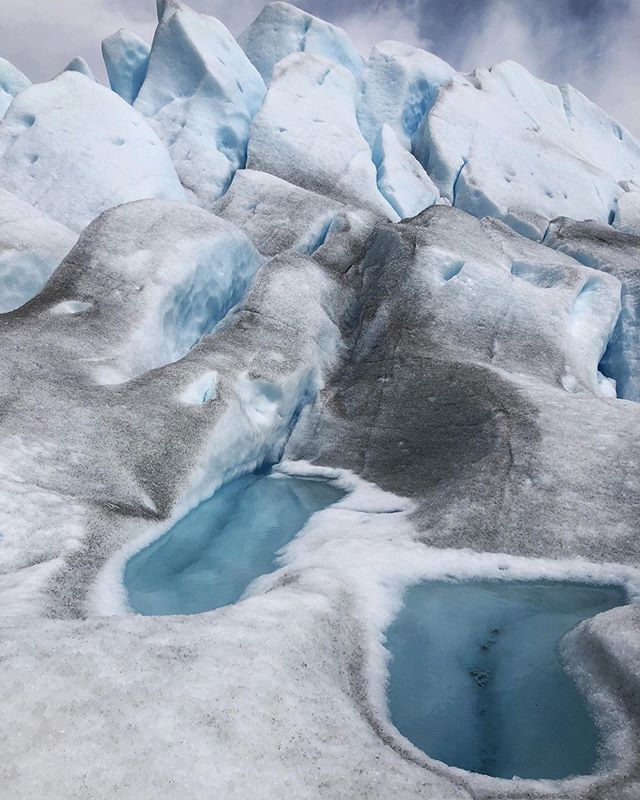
476,679
210,557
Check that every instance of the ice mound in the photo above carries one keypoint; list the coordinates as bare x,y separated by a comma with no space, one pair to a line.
282,29
72,149
12,82
31,247
126,57
200,94
180,268
505,144
306,133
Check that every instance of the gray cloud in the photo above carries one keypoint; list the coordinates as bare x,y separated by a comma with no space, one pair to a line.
590,43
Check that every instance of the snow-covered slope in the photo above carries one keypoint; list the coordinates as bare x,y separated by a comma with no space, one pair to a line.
244,255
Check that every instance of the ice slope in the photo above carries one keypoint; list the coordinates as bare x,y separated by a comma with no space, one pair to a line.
126,57
278,216
72,149
12,81
399,85
602,248
180,268
306,133
282,29
627,218
31,247
401,179
200,95
505,144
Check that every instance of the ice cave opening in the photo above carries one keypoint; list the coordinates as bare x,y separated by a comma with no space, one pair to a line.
211,555
476,678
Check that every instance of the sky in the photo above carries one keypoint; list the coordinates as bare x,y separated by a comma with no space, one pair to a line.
593,44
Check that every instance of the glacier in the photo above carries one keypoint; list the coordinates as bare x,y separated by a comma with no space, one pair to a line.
372,276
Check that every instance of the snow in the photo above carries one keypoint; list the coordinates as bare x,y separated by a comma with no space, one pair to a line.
200,94
505,144
306,133
31,247
282,29
72,148
12,82
126,57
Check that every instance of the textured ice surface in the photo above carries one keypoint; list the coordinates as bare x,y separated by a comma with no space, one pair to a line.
399,85
282,29
72,148
31,247
502,143
12,81
78,64
214,553
477,681
627,217
478,380
401,179
126,57
615,253
200,94
307,133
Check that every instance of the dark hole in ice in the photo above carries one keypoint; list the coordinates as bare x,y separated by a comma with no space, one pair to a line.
209,557
476,678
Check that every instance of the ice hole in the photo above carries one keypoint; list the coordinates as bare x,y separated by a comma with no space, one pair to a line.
538,275
210,557
477,681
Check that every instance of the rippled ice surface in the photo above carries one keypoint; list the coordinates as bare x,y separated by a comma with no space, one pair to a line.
209,557
476,679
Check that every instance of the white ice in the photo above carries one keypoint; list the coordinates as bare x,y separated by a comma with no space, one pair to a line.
307,133
282,29
31,247
200,94
126,57
12,81
72,148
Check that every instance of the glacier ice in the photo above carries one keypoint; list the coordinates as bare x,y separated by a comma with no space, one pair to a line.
31,247
72,149
282,29
399,85
12,82
202,279
200,94
400,177
306,133
78,64
503,143
126,57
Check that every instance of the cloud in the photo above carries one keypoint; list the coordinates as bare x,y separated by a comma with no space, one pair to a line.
592,45
382,21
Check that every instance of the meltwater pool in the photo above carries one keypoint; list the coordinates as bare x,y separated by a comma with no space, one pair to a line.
476,679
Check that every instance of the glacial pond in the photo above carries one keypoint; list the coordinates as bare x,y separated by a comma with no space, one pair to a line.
209,557
476,678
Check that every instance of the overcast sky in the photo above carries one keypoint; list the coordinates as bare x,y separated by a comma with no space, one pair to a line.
593,44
